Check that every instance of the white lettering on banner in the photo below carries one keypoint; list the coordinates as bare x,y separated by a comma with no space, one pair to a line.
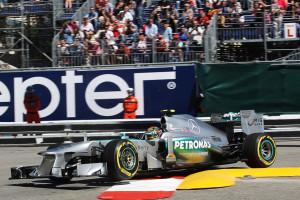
19,92
70,79
196,144
4,97
91,95
139,79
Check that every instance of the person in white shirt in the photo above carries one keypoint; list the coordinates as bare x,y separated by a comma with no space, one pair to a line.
141,45
86,26
168,32
127,15
141,48
151,29
110,39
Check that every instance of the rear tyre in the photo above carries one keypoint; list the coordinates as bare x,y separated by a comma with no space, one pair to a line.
122,159
259,150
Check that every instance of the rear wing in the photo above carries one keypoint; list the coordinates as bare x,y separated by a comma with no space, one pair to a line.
251,122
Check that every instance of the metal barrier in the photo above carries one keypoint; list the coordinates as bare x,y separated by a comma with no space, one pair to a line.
210,41
253,27
293,56
60,13
132,58
251,33
54,50
36,8
116,125
82,129
240,33
83,10
276,126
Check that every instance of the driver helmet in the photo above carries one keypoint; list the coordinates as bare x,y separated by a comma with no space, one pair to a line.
153,132
130,91
29,89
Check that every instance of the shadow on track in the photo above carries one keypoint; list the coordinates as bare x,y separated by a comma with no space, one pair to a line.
91,183
78,184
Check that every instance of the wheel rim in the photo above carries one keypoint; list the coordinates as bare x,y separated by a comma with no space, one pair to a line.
128,158
267,150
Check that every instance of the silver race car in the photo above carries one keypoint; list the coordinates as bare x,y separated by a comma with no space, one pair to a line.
182,141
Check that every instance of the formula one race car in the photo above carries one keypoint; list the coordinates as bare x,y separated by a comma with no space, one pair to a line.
182,141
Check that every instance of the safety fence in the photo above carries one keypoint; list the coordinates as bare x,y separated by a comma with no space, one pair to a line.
63,13
240,33
84,59
8,37
14,132
250,26
60,13
27,7
81,9
53,132
292,56
251,33
41,8
210,40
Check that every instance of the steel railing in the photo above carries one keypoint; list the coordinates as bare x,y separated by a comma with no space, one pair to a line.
89,59
240,33
253,27
292,56
36,8
60,13
210,41
275,126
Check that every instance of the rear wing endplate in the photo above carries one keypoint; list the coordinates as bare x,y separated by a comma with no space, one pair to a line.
251,122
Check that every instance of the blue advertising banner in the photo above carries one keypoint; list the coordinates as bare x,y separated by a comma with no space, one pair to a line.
87,94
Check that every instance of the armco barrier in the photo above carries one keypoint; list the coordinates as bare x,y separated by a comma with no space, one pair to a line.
81,130
117,125
59,131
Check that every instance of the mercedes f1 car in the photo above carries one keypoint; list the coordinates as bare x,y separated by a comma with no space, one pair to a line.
182,141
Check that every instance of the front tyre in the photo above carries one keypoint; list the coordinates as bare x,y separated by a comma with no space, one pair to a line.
259,150
122,159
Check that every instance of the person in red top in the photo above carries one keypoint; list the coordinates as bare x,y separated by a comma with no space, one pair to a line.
130,105
32,105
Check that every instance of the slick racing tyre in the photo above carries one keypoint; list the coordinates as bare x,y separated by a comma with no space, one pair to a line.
259,150
122,159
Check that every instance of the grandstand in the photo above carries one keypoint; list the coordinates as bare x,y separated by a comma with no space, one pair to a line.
102,32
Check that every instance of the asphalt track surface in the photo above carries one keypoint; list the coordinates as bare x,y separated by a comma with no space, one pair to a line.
89,188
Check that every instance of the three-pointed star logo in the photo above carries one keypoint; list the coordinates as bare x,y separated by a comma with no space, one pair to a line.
193,126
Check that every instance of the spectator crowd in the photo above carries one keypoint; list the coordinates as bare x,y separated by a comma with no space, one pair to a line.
172,29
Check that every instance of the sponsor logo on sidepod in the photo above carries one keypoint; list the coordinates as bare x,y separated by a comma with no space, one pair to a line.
196,144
